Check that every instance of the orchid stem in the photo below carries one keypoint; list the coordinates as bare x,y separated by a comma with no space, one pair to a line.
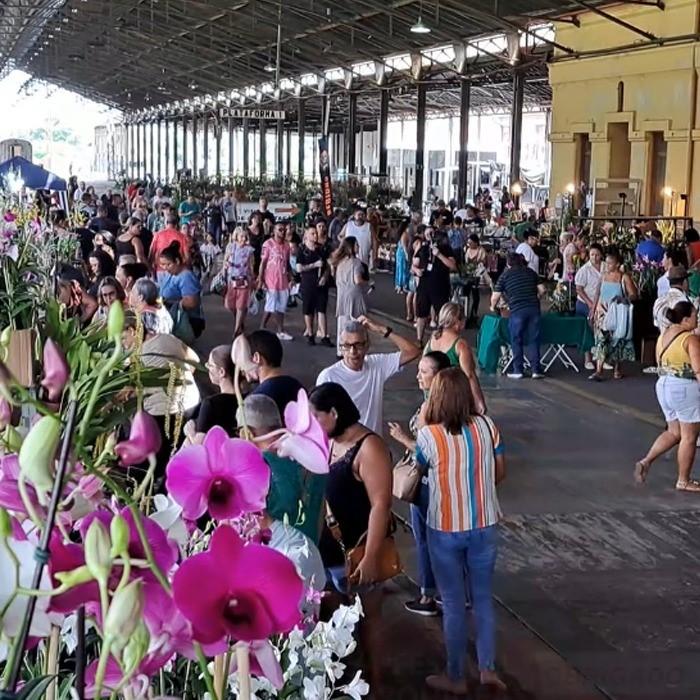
31,511
201,659
147,548
99,381
243,666
102,667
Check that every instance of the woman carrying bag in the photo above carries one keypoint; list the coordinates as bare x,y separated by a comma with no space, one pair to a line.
463,454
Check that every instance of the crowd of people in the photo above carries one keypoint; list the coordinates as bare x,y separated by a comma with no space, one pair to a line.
160,274
159,260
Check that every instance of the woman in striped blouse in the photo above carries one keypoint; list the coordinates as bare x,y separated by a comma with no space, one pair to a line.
463,454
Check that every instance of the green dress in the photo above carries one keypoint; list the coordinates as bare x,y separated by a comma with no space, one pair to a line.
451,353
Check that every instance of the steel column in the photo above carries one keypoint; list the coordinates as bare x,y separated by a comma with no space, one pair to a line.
132,147
463,172
420,147
175,128
516,127
158,150
263,148
289,152
205,146
383,131
230,146
184,143
151,153
302,137
218,127
246,147
195,160
280,149
352,125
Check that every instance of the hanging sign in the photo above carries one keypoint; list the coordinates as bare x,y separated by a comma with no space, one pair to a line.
324,164
237,113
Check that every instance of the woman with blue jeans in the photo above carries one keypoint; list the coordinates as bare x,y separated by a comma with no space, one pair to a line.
428,367
463,454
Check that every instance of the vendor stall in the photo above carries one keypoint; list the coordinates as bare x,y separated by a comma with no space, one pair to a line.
557,332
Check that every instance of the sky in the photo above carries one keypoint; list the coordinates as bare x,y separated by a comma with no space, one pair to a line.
59,124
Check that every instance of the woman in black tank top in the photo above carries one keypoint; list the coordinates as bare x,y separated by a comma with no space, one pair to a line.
358,489
128,243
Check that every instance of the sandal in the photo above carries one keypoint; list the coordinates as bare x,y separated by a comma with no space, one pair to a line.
690,485
618,375
596,377
641,471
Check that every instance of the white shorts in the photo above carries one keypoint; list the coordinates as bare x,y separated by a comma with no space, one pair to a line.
679,399
276,301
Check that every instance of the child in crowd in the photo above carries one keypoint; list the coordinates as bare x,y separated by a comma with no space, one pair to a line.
209,251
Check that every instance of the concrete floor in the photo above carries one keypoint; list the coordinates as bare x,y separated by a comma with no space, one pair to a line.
597,580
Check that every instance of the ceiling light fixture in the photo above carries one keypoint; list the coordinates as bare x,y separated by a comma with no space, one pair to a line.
420,27
269,68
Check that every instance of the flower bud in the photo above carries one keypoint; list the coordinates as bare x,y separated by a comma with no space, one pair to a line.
136,648
12,439
5,524
73,578
98,557
115,321
5,337
242,355
5,412
119,534
144,441
56,371
38,453
124,614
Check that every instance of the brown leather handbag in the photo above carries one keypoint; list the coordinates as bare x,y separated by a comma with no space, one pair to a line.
389,560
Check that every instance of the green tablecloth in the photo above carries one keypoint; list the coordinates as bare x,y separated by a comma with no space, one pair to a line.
554,330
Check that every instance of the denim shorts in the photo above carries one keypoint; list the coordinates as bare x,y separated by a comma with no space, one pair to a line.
679,399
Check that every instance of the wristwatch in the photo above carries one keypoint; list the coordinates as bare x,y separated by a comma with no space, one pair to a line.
388,332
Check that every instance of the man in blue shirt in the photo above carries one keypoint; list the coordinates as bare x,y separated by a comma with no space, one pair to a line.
651,248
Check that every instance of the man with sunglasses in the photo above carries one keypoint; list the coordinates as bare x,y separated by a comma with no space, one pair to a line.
363,375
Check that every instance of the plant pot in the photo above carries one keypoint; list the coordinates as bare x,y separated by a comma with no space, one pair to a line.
20,356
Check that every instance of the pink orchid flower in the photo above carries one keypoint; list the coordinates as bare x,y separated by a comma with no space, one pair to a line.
10,498
225,476
251,591
56,371
305,440
144,441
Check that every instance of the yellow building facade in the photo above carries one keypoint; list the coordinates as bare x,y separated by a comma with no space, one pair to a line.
627,107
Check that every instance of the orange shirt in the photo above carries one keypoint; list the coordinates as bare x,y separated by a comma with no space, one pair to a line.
163,239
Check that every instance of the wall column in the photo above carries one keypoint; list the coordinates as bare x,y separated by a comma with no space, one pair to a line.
420,147
288,170
218,127
132,129
463,170
383,132
166,164
176,126
516,127
151,154
302,135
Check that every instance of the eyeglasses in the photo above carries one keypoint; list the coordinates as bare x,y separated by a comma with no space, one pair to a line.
348,347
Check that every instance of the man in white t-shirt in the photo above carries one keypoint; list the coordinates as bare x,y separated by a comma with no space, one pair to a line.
527,250
362,375
361,230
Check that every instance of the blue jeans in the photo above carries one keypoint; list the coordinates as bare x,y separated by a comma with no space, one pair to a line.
524,327
451,553
418,516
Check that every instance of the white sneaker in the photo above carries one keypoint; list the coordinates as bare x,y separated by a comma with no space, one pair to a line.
607,366
589,366
284,336
515,375
537,375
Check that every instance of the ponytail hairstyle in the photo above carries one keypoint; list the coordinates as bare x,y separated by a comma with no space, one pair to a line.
450,314
679,312
172,253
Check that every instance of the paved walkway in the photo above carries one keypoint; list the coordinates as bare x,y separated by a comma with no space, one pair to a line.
597,580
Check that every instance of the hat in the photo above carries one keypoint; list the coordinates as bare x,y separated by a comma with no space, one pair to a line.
677,274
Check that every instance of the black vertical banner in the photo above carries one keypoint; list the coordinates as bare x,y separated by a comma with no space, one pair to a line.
324,166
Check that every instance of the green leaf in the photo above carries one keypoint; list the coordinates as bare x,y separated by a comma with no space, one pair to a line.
35,688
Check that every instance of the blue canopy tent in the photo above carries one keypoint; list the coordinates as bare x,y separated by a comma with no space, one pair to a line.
33,176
